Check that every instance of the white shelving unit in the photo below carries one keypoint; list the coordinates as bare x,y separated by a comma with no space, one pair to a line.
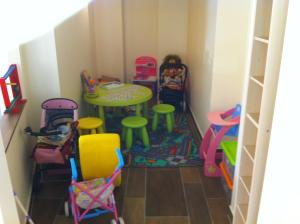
258,105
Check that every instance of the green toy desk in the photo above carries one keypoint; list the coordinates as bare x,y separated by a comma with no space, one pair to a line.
125,95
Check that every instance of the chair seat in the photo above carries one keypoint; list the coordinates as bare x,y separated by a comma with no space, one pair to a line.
163,108
89,123
93,187
134,122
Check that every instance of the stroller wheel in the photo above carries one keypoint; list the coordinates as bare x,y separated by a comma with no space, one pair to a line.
66,208
120,221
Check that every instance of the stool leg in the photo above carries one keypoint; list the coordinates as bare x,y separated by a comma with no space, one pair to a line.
145,137
118,112
155,121
100,129
145,109
102,115
140,133
169,122
128,138
138,110
93,131
173,119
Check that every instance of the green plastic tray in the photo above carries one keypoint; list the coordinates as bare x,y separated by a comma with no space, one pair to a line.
229,148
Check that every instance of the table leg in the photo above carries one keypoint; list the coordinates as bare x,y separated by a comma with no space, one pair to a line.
102,116
138,110
118,112
145,109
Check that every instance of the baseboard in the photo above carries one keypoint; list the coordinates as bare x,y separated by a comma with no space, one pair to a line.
29,202
197,125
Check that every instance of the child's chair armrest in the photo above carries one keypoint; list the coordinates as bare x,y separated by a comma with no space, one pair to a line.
216,119
120,157
73,169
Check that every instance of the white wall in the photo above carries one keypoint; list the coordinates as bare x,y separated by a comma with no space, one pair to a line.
7,202
72,42
172,28
233,21
20,164
127,29
217,50
141,31
280,195
201,42
108,30
40,69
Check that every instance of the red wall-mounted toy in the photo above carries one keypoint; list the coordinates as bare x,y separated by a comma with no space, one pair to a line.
13,77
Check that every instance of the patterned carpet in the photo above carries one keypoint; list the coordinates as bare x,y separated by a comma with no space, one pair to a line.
179,148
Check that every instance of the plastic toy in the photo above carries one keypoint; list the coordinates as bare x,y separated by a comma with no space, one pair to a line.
145,68
57,136
91,198
94,196
89,84
12,76
221,123
172,82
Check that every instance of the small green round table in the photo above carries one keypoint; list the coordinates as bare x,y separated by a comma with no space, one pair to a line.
122,96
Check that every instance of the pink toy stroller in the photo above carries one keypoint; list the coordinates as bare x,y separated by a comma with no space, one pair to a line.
57,136
222,123
172,82
94,197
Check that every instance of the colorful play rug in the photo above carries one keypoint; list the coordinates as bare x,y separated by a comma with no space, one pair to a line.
179,148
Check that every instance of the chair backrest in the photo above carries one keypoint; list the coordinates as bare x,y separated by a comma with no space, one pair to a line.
145,68
58,110
98,156
173,72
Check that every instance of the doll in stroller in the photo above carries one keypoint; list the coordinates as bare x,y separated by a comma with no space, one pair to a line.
172,82
57,136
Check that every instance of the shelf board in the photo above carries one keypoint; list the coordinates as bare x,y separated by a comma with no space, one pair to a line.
250,151
243,209
261,39
258,80
254,118
246,181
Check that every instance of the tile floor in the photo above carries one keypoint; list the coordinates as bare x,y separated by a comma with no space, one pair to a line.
147,196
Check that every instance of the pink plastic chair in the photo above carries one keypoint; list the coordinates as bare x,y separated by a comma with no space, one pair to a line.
145,68
222,123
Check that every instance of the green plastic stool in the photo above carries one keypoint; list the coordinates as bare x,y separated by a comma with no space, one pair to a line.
135,122
163,109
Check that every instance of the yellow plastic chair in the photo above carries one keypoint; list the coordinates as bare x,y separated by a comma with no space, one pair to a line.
98,156
92,124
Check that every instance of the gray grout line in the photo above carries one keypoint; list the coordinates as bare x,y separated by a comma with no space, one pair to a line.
145,194
125,191
184,194
207,205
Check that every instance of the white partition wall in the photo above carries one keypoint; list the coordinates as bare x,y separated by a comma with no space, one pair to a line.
73,52
280,193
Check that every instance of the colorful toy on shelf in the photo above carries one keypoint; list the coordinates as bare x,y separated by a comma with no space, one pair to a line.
11,90
227,166
221,124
